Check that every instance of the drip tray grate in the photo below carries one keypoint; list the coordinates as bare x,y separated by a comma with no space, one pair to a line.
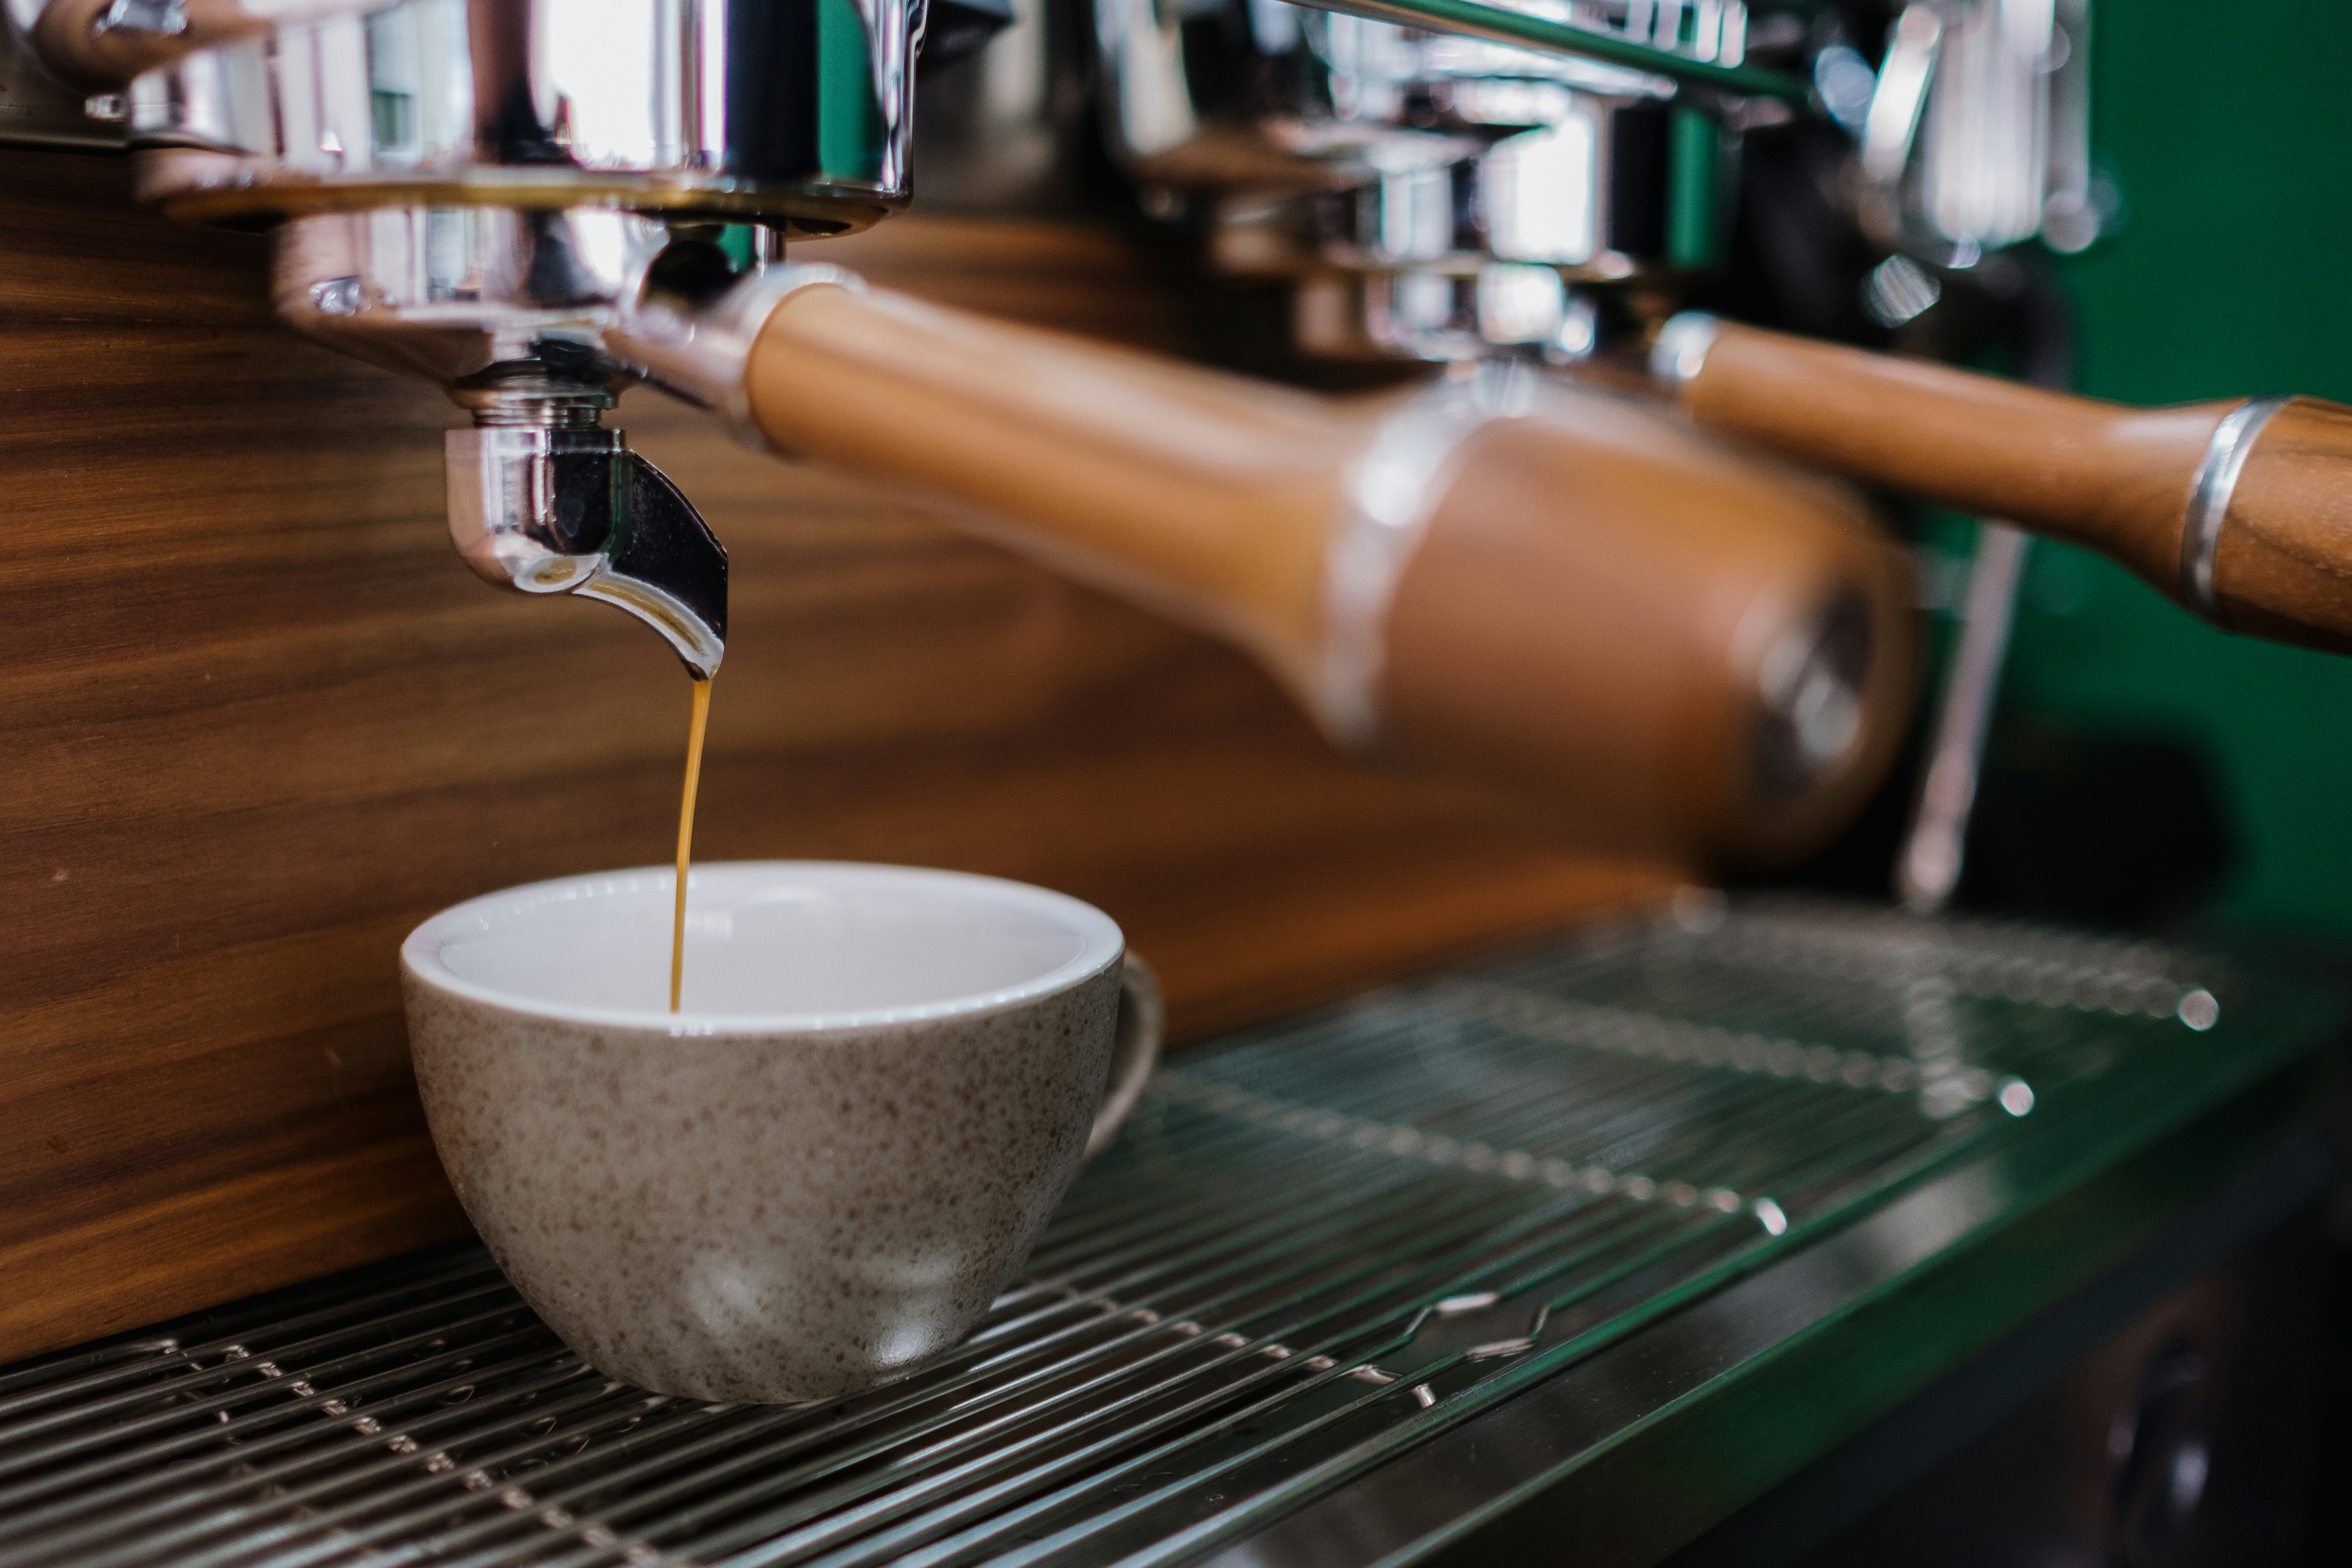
1312,1241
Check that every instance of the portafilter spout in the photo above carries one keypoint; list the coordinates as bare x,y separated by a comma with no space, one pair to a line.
571,509
505,310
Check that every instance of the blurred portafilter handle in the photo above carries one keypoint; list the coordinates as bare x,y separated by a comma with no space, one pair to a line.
1686,652
2241,510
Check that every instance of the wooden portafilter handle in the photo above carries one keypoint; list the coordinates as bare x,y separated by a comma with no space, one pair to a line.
2241,510
1694,654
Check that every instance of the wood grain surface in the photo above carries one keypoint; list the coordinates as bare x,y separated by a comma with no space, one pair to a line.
256,719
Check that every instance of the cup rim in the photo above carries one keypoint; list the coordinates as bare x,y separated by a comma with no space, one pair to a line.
1102,945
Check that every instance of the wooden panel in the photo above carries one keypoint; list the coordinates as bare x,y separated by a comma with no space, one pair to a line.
256,721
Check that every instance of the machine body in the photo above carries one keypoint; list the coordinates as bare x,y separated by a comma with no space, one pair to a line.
521,200
518,200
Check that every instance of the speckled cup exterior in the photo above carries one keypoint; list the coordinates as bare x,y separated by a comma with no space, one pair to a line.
763,1217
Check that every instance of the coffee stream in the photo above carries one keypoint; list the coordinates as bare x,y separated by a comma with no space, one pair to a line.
701,721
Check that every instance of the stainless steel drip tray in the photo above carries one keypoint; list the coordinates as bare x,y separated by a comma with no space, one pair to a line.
1349,1286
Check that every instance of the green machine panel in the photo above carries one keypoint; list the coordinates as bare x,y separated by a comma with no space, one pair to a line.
2228,131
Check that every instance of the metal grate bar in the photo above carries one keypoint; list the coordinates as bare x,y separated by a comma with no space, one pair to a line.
1319,1241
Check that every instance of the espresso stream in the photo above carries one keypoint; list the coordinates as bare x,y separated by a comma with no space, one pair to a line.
695,730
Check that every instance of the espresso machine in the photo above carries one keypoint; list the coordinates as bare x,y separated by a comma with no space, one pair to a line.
1755,1229
547,231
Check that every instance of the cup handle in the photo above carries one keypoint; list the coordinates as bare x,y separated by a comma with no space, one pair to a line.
1142,1018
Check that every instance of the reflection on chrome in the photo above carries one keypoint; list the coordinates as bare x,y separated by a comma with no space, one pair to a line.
801,112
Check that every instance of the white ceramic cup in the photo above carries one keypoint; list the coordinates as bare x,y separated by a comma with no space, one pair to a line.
819,1172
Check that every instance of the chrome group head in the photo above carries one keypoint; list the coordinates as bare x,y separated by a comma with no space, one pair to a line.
482,193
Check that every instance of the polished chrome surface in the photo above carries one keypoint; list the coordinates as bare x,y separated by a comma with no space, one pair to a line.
1891,123
1445,317
1307,92
797,112
1678,353
1643,35
2209,499
454,294
1010,132
1983,141
1316,1248
1927,867
531,316
1898,291
696,346
571,509
2076,208
1977,133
